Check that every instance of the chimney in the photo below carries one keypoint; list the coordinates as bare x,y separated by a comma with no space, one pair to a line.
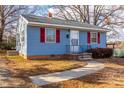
49,14
107,20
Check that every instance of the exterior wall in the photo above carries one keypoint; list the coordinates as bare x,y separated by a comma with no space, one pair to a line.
103,40
83,41
21,36
54,57
35,47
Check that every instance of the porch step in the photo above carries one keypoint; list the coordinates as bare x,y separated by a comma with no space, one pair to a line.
85,56
85,53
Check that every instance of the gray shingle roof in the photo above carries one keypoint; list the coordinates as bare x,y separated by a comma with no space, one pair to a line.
41,19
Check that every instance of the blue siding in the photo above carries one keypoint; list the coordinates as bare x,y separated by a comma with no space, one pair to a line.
35,47
83,40
103,40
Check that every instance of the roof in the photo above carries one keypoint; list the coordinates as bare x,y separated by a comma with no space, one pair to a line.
40,20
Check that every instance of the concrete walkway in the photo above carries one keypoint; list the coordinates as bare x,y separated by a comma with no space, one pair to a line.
91,67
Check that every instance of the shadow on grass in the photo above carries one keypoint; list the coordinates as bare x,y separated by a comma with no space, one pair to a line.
114,60
29,72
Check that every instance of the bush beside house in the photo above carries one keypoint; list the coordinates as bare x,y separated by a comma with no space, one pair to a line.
7,46
101,52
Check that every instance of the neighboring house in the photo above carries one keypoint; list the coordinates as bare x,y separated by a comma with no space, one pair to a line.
39,36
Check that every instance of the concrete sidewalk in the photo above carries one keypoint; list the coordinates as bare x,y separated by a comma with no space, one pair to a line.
91,67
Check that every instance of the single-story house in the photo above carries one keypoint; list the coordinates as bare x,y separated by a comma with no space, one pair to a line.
40,37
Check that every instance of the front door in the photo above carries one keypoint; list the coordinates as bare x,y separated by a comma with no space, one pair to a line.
74,41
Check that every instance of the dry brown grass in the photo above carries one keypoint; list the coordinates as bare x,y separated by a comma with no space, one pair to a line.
2,52
21,67
112,76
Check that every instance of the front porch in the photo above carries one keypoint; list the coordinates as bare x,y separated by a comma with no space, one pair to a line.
77,49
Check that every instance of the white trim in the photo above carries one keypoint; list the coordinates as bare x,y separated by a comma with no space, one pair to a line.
24,19
55,35
96,37
65,26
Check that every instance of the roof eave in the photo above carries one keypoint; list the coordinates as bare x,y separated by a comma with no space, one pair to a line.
65,26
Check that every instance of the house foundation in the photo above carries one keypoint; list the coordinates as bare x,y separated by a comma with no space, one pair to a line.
53,57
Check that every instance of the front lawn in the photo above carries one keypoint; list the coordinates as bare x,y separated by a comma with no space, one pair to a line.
2,52
112,76
24,68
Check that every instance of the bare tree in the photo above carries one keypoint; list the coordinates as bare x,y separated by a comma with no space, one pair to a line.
10,13
6,17
109,17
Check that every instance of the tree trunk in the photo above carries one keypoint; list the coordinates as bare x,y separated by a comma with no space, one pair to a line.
1,35
2,23
2,30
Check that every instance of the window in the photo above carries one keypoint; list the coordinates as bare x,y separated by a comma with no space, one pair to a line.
50,35
93,37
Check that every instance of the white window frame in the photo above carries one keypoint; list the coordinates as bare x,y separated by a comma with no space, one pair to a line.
46,35
96,38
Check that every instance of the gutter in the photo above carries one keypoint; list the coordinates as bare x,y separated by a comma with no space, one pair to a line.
64,26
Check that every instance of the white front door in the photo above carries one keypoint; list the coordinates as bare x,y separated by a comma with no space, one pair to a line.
74,41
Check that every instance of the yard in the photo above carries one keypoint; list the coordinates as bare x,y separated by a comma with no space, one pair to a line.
111,76
20,69
24,68
2,52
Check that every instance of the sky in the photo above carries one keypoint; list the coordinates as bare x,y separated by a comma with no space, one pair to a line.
49,8
44,10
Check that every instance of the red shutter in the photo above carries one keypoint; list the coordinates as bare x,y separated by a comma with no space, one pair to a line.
57,35
88,37
98,37
42,35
